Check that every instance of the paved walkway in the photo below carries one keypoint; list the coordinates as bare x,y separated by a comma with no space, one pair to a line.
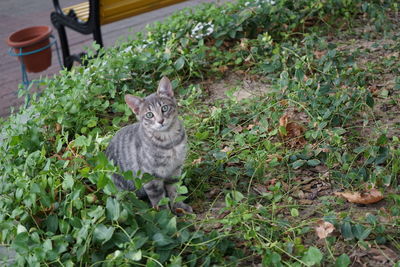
6,256
18,14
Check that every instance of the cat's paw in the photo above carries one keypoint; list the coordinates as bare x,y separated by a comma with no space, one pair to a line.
159,208
181,208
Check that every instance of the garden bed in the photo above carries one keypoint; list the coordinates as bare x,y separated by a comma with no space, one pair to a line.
285,103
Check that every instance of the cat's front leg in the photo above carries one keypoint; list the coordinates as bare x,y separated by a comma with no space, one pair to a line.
177,207
155,191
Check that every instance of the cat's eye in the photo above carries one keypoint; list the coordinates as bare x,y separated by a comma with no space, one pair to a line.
165,108
149,115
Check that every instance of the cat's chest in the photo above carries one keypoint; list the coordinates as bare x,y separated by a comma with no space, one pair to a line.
176,154
167,162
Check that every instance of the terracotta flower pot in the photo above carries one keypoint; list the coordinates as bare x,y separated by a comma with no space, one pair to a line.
31,39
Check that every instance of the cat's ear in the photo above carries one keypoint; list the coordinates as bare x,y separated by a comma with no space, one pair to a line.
134,103
165,88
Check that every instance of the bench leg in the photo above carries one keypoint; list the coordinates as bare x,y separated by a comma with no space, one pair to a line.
97,35
67,59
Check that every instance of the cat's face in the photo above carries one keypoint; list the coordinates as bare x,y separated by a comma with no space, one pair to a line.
157,111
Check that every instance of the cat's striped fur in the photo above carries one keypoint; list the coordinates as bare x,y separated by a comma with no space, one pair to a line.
156,144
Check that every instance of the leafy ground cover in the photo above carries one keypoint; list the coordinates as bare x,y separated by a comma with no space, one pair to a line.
291,107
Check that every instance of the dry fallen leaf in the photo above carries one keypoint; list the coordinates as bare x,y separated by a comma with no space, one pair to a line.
213,192
368,197
260,189
58,127
250,126
283,121
271,157
283,102
294,135
319,54
197,161
223,69
235,128
383,254
294,129
324,229
226,149
244,44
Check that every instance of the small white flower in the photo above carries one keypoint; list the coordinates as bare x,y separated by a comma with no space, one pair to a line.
199,26
128,49
140,47
202,29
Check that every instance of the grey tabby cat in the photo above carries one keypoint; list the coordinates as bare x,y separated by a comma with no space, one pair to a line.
156,145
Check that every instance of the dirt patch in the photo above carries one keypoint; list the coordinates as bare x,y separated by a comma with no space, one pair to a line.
236,85
377,54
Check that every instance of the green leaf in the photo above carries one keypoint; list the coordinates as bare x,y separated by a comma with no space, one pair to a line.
276,259
181,190
237,196
52,223
81,141
21,229
96,213
299,74
92,122
294,212
360,232
171,226
313,162
180,199
134,255
346,231
102,233
179,63
102,181
162,240
342,261
298,163
370,101
163,201
45,200
35,188
20,243
382,140
128,175
68,182
113,209
202,135
312,257
220,155
64,226
101,161
48,247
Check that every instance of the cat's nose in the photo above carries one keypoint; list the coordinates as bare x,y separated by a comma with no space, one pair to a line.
160,121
